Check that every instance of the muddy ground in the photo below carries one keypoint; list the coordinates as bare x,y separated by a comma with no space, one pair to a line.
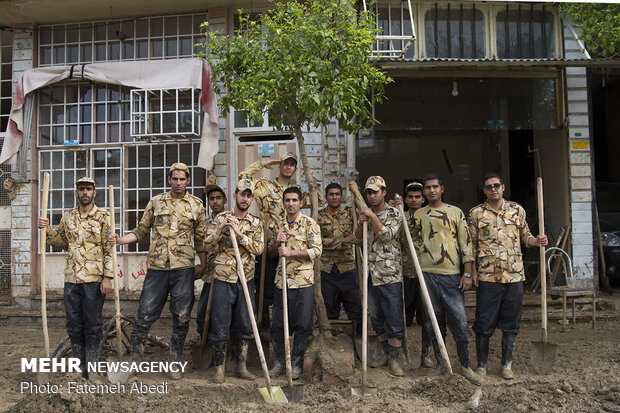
585,378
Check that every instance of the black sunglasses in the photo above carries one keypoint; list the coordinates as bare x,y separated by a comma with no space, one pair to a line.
493,186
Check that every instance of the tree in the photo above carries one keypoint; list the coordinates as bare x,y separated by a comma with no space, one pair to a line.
599,24
305,63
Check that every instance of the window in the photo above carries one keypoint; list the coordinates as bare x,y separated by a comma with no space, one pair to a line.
396,32
454,32
525,31
118,40
6,78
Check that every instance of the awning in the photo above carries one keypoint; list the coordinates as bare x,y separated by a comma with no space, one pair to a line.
160,74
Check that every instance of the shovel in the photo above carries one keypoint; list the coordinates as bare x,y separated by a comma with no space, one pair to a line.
271,394
116,376
364,389
293,393
43,377
543,353
427,298
202,354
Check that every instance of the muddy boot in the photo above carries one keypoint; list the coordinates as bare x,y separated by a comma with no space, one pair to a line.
384,359
509,341
176,351
426,360
395,368
91,354
277,339
462,348
77,351
440,368
297,355
219,357
240,363
482,353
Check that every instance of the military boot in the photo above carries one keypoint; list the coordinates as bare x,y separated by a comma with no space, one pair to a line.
440,368
92,350
277,340
77,351
426,360
219,357
176,352
509,341
297,355
241,352
395,368
462,348
384,358
482,353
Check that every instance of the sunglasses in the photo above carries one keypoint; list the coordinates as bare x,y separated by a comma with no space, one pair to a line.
492,187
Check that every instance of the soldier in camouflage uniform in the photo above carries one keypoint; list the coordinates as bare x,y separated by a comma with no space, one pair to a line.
385,296
445,245
229,313
299,240
414,304
83,232
268,196
339,278
497,228
177,222
216,199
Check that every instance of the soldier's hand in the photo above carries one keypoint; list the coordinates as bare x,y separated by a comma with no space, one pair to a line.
349,239
43,223
200,270
272,163
355,190
281,237
474,278
113,240
105,286
465,283
541,240
284,252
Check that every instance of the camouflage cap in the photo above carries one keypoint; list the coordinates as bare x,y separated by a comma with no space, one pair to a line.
245,183
288,155
179,166
414,185
212,184
375,183
85,180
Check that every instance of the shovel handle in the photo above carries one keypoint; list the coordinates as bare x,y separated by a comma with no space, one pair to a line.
365,306
248,302
263,265
117,299
46,193
543,264
427,298
287,346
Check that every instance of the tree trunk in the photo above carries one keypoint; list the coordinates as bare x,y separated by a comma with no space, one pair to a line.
319,304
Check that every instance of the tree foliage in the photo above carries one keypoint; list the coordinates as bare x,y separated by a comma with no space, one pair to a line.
304,62
600,26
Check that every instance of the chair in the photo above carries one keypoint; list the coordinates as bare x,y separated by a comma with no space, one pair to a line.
569,290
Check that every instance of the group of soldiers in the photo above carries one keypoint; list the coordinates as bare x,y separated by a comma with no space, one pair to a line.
454,254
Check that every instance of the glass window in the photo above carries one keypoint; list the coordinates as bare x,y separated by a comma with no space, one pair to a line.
525,31
454,32
6,77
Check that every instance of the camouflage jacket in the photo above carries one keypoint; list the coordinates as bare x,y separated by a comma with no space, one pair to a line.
497,237
268,194
445,239
384,254
335,226
302,235
85,237
250,244
208,274
408,267
178,226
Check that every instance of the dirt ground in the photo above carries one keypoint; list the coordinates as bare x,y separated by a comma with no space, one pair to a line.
585,378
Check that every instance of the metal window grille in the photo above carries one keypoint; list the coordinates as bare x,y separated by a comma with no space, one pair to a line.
5,172
455,31
5,265
6,77
120,40
395,21
165,113
525,31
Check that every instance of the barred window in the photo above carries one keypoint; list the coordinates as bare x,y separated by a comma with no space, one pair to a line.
525,31
6,78
455,32
120,40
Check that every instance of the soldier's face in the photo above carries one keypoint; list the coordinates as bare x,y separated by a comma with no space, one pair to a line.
244,200
216,201
85,194
414,200
288,167
375,198
432,190
178,182
494,189
334,197
292,203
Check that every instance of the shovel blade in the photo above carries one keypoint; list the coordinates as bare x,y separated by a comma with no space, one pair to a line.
294,393
360,391
543,356
118,377
202,356
276,395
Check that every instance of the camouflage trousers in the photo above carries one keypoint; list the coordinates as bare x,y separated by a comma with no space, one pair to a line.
498,305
